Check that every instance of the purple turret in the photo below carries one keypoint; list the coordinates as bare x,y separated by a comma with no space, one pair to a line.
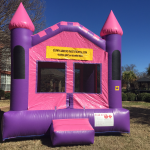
21,28
112,33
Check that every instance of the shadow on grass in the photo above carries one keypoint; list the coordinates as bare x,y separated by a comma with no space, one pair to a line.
108,134
140,115
47,142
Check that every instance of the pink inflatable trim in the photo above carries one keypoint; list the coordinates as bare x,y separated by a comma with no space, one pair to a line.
21,19
72,125
111,26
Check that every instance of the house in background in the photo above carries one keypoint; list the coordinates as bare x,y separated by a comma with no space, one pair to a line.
5,70
144,84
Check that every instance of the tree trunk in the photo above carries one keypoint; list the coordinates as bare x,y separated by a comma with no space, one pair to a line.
128,86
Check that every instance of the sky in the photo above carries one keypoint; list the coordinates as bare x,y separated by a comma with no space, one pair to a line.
132,15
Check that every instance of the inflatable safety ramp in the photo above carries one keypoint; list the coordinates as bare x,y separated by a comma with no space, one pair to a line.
72,132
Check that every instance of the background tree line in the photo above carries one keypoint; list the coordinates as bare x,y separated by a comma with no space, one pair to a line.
130,75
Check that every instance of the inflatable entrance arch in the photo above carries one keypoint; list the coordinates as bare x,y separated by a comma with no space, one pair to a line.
64,72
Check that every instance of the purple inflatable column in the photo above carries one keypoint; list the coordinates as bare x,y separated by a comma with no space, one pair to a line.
19,83
113,47
21,30
112,33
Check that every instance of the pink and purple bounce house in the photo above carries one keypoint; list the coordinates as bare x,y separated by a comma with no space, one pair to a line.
65,82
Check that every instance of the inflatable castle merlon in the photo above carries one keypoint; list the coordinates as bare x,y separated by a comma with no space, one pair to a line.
112,33
21,28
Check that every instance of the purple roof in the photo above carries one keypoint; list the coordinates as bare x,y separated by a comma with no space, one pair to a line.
68,26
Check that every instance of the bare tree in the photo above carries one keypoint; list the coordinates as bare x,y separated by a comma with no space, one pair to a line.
129,68
136,72
35,9
148,70
142,74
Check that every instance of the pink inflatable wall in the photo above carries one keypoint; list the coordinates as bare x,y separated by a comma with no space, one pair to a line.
46,101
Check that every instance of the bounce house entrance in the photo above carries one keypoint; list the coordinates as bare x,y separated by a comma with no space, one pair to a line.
87,78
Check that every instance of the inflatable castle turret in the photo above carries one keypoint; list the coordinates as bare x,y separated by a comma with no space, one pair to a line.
112,33
21,28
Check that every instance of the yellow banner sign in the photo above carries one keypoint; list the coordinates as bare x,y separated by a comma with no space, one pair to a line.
69,53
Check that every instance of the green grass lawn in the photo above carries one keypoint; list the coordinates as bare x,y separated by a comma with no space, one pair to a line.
133,103
138,139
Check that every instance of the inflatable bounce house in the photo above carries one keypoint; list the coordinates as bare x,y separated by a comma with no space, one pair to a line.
65,82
